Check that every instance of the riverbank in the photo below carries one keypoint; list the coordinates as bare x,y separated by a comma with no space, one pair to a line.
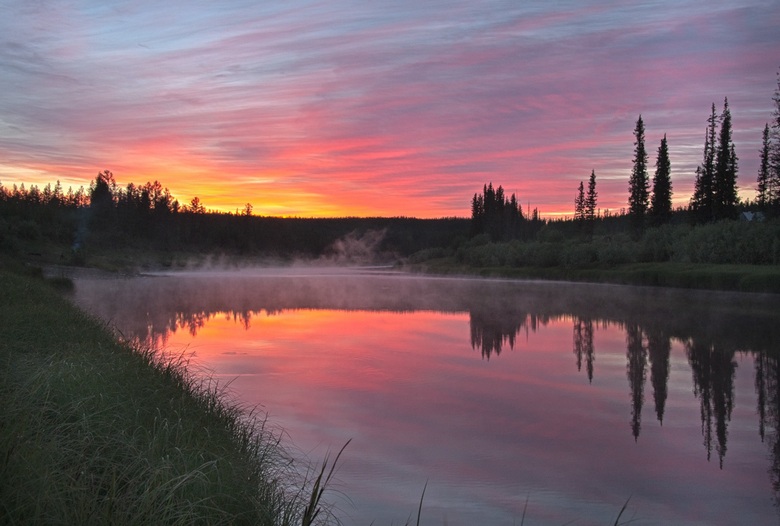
738,278
96,431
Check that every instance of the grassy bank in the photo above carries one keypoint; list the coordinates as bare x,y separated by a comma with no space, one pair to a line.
93,431
742,278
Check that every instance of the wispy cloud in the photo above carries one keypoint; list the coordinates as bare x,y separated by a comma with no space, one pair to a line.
330,108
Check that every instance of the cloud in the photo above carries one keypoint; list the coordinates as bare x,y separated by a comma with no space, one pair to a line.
313,103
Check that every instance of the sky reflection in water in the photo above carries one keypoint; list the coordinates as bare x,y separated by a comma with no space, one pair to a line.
574,397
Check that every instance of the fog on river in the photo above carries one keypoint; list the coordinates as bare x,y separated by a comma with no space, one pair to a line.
514,401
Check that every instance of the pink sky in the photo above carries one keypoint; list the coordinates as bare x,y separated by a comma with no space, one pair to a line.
371,108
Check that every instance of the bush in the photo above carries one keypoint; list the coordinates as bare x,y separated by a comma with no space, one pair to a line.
729,242
27,230
615,250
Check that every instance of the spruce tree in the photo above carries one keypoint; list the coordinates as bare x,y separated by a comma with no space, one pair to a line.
638,185
579,203
763,188
661,201
590,198
724,195
774,151
701,202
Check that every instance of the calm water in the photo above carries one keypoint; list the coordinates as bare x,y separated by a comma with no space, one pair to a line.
565,398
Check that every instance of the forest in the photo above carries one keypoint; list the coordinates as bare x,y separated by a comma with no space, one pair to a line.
146,222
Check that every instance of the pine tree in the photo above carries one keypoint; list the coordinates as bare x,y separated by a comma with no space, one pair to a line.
579,203
661,201
724,196
774,151
590,198
639,186
764,186
701,202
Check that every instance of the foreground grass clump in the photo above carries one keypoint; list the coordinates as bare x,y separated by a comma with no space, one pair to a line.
93,431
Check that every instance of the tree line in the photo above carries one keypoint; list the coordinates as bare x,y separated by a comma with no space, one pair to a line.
108,217
714,198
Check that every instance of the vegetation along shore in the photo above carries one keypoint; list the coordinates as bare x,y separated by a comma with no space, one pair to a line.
96,431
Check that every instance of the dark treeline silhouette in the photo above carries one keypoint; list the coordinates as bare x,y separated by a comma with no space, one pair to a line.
148,217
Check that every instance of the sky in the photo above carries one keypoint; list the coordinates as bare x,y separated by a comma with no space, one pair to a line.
369,108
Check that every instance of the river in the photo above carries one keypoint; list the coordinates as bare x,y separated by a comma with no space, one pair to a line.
505,402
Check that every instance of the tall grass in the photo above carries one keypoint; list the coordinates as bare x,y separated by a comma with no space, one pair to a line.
93,431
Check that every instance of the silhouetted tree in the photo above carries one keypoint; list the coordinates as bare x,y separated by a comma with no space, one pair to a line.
764,180
638,185
579,203
774,152
702,200
661,201
196,207
725,182
590,198
101,194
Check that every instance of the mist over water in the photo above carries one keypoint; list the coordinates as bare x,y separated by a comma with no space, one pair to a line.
573,396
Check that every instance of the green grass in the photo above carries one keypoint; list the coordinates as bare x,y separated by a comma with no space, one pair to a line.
94,431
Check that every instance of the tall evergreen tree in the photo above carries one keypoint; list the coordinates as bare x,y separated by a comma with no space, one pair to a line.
590,198
579,203
724,198
701,202
774,151
764,186
638,185
661,201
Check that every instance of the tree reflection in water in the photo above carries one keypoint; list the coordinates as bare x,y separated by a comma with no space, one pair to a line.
712,327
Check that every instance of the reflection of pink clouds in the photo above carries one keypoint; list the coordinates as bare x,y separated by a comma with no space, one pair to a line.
420,404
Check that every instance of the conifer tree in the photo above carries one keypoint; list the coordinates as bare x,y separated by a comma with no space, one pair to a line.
638,185
764,186
590,198
774,151
724,198
579,203
661,201
701,202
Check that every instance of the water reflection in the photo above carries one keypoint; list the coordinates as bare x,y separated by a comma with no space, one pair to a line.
714,329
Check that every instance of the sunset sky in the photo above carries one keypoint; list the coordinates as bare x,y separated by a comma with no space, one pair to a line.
367,108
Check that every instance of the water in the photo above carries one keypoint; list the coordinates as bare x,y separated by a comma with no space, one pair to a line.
533,402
